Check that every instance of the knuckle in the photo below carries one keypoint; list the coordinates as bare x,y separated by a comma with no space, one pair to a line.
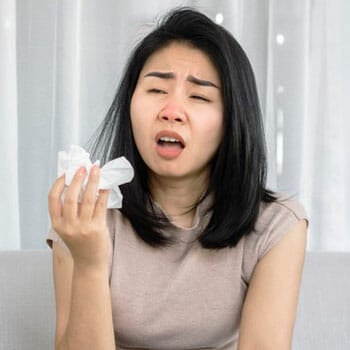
84,230
89,201
52,195
56,224
69,200
100,222
93,176
87,231
103,196
79,175
66,229
101,203
95,225
68,233
77,181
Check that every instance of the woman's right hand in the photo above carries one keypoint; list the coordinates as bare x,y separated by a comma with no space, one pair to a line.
82,226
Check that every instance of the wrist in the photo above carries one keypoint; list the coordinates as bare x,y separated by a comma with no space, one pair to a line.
93,270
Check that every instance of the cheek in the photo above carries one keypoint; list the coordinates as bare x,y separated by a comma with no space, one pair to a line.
137,109
134,110
141,124
219,125
141,109
213,130
214,134
136,120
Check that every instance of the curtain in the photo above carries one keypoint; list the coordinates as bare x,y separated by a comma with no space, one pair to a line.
9,196
326,172
61,60
308,80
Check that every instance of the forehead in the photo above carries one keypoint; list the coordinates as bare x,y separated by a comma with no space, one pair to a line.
181,58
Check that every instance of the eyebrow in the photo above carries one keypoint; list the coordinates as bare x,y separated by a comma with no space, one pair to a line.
190,78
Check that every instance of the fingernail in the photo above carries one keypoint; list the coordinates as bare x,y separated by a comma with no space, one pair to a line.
94,170
81,171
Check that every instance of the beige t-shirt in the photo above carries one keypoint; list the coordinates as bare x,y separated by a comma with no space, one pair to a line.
184,296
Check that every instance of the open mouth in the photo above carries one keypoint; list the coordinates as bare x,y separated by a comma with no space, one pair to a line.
170,142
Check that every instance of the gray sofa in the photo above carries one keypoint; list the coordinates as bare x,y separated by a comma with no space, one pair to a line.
27,302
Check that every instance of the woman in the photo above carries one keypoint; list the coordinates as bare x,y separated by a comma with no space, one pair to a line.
201,255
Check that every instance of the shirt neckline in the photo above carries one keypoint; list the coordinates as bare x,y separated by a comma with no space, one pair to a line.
200,221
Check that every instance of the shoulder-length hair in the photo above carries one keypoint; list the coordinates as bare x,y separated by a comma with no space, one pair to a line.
238,172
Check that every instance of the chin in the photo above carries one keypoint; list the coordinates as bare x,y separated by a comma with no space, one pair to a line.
169,173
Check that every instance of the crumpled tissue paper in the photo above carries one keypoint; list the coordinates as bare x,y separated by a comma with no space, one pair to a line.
114,173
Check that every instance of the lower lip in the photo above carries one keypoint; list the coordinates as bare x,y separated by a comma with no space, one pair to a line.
168,152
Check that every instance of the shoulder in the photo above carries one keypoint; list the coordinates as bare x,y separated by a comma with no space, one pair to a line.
280,214
114,219
275,220
119,225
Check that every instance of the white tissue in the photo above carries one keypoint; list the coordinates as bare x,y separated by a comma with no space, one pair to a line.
114,173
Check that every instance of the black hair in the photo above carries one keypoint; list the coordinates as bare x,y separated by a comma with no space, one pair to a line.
238,173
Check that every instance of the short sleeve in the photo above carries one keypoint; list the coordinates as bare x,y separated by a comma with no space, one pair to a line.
277,220
274,221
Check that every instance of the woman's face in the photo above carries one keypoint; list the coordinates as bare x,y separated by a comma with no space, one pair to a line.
177,112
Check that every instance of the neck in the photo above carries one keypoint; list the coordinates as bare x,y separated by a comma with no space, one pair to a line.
178,198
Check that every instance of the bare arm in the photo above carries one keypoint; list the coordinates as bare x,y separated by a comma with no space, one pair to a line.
269,310
83,301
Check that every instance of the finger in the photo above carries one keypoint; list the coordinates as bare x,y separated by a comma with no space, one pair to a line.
54,198
89,198
70,206
101,205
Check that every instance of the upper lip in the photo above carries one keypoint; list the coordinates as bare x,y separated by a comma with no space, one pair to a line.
172,134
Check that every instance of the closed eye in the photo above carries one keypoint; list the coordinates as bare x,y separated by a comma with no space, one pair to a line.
197,97
157,91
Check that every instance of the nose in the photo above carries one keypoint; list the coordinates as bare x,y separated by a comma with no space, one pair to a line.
173,113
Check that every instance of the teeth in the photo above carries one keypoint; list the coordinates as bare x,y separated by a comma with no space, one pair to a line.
168,139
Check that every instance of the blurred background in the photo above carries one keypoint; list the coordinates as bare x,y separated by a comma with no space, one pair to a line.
61,60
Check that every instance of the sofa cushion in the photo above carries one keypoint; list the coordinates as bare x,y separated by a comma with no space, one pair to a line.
323,319
27,309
